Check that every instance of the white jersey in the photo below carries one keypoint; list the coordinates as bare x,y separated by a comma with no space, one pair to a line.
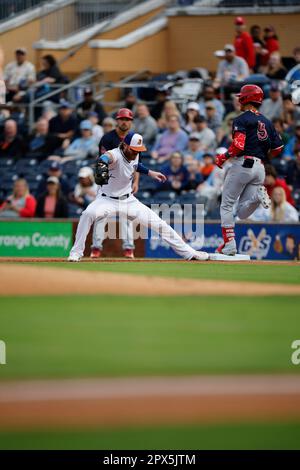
121,172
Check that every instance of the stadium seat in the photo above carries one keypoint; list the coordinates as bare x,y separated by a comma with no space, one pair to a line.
26,166
168,197
74,210
6,163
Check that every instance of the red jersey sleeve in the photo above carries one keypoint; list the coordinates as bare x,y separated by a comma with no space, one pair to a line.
29,209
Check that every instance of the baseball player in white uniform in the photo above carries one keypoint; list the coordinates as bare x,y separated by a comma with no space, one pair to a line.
114,173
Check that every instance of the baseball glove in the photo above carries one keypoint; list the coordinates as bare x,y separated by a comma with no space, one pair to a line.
101,173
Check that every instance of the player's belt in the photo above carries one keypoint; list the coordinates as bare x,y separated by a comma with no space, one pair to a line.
125,196
251,157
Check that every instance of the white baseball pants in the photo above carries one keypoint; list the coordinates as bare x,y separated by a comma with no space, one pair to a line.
104,207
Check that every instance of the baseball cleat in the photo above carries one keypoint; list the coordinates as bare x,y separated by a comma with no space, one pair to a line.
264,197
228,249
200,256
128,253
74,258
96,253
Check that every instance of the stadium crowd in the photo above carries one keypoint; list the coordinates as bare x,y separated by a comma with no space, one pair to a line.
48,172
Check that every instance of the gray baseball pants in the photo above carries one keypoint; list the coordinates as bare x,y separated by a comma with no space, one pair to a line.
241,185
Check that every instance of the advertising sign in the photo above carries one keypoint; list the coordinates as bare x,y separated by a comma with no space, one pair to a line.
260,241
35,239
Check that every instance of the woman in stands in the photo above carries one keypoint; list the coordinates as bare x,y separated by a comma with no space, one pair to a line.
281,210
21,203
52,204
275,69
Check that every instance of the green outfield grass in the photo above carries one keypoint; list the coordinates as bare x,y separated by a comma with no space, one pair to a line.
225,436
287,274
83,336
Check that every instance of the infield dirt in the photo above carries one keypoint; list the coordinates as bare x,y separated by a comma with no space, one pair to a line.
40,280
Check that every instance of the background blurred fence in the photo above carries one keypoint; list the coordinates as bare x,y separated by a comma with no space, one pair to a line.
10,8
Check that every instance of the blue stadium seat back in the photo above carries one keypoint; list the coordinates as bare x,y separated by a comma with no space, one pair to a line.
187,198
147,184
26,166
9,176
296,197
7,186
33,185
70,168
166,195
44,166
74,210
6,162
73,181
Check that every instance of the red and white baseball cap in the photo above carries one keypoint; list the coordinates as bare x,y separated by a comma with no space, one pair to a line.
124,113
135,142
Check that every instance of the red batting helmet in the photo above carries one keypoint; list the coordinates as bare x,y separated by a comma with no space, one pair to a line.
250,94
239,20
124,113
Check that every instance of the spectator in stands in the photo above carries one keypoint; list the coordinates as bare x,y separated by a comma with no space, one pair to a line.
293,173
271,40
192,111
281,210
41,144
214,121
52,204
195,177
294,73
49,75
83,147
86,189
173,139
54,170
209,95
272,181
243,42
170,109
272,107
226,128
213,178
207,165
18,75
207,137
176,173
290,115
12,144
275,69
130,101
21,203
293,144
108,124
194,147
64,125
261,53
157,109
88,105
232,70
145,125
279,127
97,130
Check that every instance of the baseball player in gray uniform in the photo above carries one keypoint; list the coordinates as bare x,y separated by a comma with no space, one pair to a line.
254,141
